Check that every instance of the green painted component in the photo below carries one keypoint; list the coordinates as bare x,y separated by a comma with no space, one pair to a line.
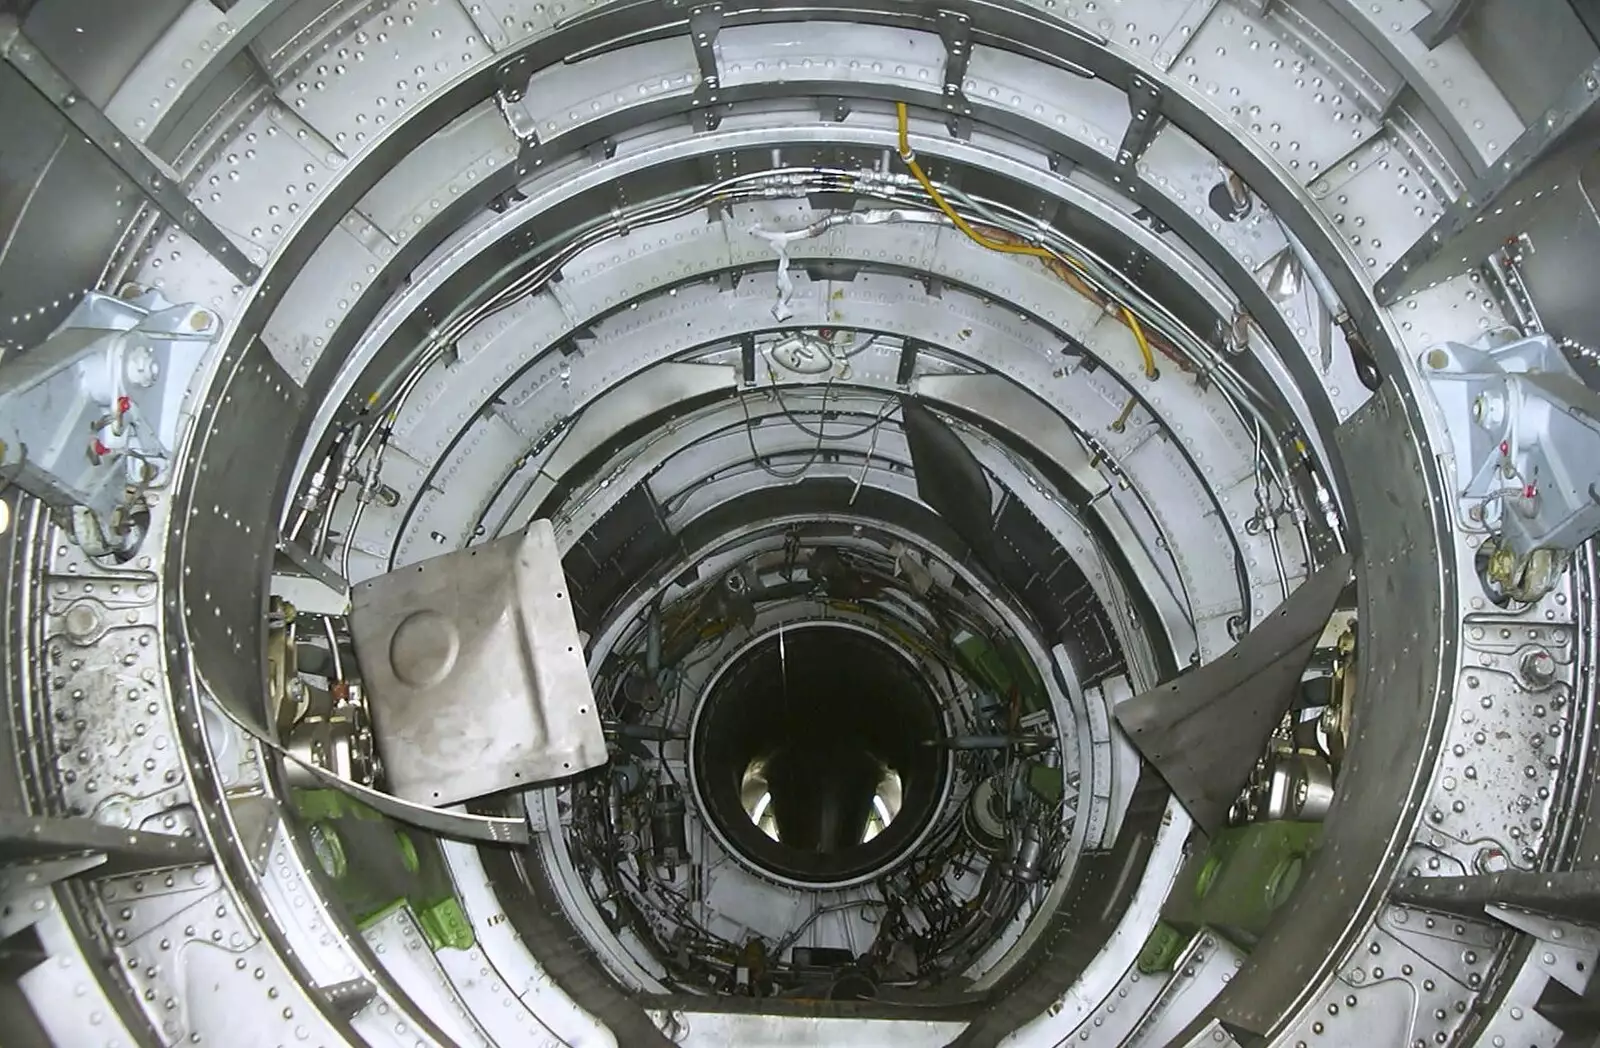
1162,948
981,660
408,851
1031,685
331,804
1004,670
445,924
376,865
1245,876
1044,781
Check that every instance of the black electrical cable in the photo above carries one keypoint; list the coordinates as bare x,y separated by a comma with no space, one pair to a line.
857,351
755,454
878,419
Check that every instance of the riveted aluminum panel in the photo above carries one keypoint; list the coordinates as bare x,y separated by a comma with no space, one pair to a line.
476,672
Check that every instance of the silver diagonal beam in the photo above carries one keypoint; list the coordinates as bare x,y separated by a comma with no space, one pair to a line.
29,838
153,178
1571,895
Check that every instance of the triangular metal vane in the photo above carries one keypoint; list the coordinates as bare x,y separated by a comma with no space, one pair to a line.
1205,730
949,477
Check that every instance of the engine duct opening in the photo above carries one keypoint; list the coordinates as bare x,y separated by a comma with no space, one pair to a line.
817,754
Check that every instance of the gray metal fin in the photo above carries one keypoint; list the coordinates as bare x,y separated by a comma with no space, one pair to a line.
1205,730
949,477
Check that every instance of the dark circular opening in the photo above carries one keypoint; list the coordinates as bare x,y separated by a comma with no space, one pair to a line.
817,755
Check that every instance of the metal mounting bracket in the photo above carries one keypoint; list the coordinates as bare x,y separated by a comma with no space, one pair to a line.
308,582
955,30
1442,23
511,82
348,997
1144,105
704,24
1526,433
90,417
907,368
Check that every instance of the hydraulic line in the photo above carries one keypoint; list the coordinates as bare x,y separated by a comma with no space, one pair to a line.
910,159
1150,371
1073,269
1003,246
1198,354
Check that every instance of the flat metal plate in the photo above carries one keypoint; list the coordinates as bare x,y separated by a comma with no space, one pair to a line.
1572,895
59,191
1565,237
248,427
476,672
25,888
949,478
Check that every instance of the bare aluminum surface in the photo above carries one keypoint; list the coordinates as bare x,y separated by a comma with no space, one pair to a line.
475,671
1376,202
130,157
